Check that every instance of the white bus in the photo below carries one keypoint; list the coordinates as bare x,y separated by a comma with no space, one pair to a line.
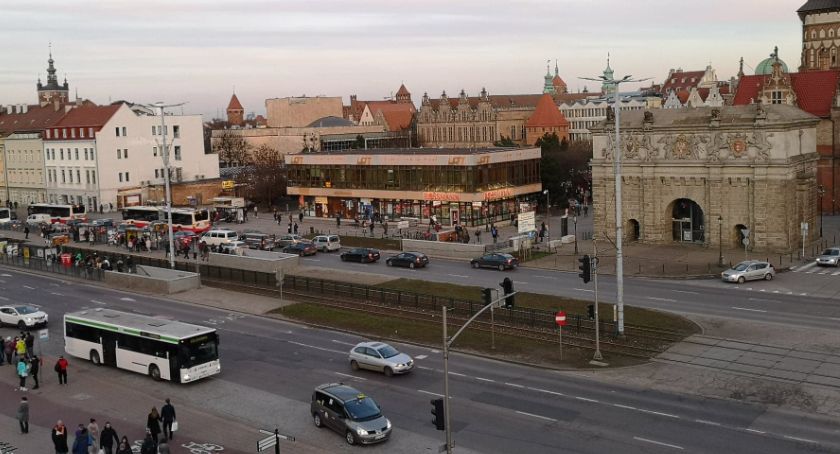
5,215
58,212
163,349
193,220
141,216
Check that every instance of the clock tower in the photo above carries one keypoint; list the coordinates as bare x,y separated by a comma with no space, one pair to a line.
53,91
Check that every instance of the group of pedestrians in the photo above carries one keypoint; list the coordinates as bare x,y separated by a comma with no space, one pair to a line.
89,439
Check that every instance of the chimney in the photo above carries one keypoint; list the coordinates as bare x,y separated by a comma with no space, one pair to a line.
56,104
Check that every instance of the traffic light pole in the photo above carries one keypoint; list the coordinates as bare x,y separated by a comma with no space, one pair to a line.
597,356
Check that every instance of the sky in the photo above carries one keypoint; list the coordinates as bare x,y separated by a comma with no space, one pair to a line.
200,51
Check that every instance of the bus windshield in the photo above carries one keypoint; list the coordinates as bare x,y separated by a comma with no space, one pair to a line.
136,214
199,350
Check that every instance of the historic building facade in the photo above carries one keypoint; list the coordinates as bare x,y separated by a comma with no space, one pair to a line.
704,175
820,35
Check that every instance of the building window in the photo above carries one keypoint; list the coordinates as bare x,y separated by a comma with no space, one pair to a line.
70,176
72,133
90,132
93,176
64,133
120,177
87,176
126,177
157,173
117,131
123,131
125,153
154,131
48,134
177,152
82,133
176,131
78,176
77,154
776,97
86,154
154,151
91,155
61,153
119,153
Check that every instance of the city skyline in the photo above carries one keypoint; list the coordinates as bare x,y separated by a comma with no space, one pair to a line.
197,52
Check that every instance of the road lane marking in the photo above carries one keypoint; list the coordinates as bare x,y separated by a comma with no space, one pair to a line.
548,392
425,368
127,299
350,376
760,432
586,399
583,289
804,440
658,443
316,347
313,260
764,300
457,275
685,291
710,423
544,277
536,416
659,413
429,393
485,379
747,309
56,294
343,343
667,300
521,283
420,357
457,374
626,407
97,302
834,318
4,298
835,273
515,385
30,288
6,275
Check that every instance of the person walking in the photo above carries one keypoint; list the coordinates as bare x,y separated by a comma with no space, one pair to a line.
59,438
108,438
300,217
20,347
8,349
61,369
167,415
149,446
124,447
29,341
26,231
23,415
256,212
82,440
34,367
153,424
295,228
163,447
22,372
93,433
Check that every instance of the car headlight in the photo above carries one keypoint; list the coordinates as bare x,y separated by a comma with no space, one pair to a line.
389,423
360,431
186,376
29,319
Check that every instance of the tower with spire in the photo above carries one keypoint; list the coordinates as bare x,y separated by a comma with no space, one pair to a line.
235,112
608,89
548,87
557,82
53,91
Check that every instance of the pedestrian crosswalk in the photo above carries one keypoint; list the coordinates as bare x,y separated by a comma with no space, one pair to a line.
813,268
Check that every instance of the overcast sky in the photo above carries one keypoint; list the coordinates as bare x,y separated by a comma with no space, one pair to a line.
198,50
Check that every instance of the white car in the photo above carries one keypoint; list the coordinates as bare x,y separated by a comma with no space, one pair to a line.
22,316
380,357
327,243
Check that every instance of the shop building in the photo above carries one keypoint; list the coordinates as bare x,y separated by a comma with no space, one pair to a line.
468,186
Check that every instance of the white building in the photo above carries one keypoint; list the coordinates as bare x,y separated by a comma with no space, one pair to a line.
586,113
94,151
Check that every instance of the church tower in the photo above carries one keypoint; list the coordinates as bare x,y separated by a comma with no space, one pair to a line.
52,91
403,95
235,112
820,32
608,89
548,87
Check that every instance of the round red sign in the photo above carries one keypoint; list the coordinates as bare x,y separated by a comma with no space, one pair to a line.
560,318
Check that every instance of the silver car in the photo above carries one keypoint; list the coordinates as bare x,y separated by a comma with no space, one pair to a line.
749,271
380,357
349,412
829,257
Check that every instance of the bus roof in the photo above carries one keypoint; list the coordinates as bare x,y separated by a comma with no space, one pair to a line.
168,330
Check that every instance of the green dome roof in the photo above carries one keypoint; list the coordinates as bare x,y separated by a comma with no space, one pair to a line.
766,65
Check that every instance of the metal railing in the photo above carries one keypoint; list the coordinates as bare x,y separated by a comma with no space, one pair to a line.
52,266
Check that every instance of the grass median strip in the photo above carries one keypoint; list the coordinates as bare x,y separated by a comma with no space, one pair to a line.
430,333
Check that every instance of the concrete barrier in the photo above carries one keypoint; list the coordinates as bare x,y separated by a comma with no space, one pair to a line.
149,279
444,249
256,260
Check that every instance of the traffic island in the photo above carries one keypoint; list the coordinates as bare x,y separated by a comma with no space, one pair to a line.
150,279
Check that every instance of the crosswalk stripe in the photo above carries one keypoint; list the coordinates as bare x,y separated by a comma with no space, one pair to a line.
835,273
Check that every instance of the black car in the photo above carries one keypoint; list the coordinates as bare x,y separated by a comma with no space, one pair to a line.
495,260
360,254
301,248
408,259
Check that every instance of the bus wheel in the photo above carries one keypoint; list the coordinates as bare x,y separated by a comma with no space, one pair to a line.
154,372
94,358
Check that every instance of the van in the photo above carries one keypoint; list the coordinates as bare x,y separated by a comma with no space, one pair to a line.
39,218
256,240
215,238
327,243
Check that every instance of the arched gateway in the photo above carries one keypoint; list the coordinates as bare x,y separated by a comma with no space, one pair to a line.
687,220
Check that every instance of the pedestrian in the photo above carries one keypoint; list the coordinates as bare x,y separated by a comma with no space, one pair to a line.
295,228
153,424
20,347
124,447
61,369
82,440
108,438
29,341
167,414
494,232
34,367
585,210
256,212
290,227
371,228
22,372
8,349
300,217
290,218
129,263
23,415
163,447
149,445
26,231
93,433
337,220
478,236
59,438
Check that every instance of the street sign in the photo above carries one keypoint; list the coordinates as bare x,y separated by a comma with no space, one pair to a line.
560,318
526,222
266,443
228,184
44,334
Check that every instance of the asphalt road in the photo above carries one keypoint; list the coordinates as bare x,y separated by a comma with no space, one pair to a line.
803,298
270,368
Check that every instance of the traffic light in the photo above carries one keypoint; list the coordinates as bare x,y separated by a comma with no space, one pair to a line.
487,295
585,268
437,411
591,310
507,286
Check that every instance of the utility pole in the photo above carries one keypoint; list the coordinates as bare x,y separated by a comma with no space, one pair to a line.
597,356
446,417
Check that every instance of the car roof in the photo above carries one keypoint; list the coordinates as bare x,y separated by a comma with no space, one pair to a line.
343,392
372,344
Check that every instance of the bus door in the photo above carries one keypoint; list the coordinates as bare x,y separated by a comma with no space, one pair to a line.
109,348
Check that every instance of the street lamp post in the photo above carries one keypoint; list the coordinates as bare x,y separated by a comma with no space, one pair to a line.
821,192
720,240
576,246
619,233
547,218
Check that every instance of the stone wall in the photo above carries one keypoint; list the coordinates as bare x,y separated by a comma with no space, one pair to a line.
444,249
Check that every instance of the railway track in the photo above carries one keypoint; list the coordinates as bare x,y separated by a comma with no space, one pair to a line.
632,345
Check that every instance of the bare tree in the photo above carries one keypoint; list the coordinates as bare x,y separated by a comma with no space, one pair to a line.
233,149
268,175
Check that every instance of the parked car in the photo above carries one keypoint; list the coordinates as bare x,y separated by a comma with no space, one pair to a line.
380,357
184,238
215,238
349,412
233,247
495,260
105,222
257,240
288,239
301,248
409,259
23,316
38,218
749,271
829,257
361,255
327,243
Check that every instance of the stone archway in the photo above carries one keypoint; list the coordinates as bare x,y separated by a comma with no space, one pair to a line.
737,237
688,223
633,230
